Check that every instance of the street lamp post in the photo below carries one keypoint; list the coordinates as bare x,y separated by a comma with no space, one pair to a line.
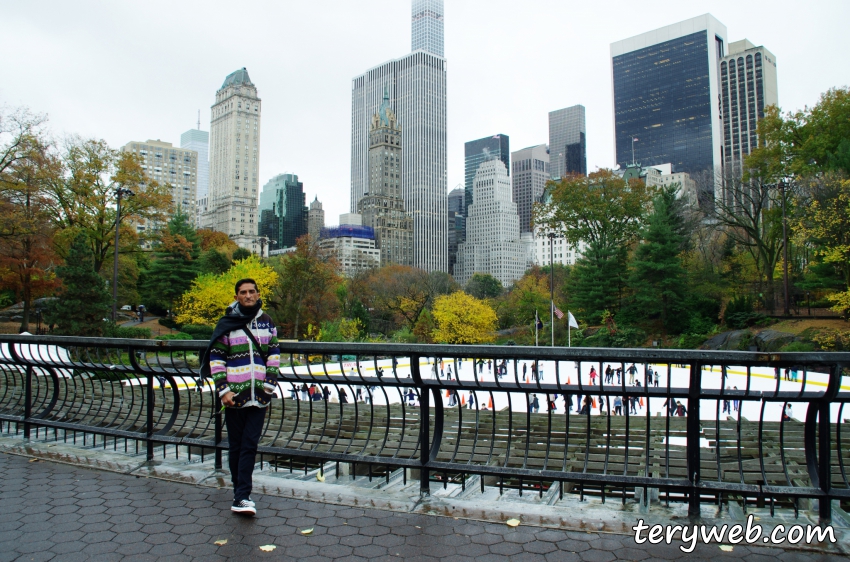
119,192
263,240
552,284
786,305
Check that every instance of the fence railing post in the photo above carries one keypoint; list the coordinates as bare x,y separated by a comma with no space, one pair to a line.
149,414
824,444
424,423
27,402
693,436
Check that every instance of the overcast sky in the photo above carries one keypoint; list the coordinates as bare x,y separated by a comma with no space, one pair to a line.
129,71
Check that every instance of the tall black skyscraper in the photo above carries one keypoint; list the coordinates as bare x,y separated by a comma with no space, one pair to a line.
666,97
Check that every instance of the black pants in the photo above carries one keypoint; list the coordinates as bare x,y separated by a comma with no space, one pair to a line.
244,427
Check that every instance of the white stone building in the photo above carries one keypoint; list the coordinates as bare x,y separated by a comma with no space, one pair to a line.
493,244
235,161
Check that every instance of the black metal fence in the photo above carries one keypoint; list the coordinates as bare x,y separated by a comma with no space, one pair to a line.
754,428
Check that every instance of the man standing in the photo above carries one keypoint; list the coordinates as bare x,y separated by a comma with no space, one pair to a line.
244,358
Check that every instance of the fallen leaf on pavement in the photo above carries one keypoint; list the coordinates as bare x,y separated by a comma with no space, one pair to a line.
268,547
319,477
307,531
512,522
726,548
33,460
221,542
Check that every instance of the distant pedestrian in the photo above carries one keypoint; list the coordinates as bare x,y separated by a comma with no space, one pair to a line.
657,379
343,396
535,404
470,404
609,375
619,375
632,371
593,376
786,414
304,391
681,410
618,406
411,397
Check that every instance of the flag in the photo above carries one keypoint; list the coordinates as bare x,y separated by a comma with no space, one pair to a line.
539,324
571,320
558,313
635,139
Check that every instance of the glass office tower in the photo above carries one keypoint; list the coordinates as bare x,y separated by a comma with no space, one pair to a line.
567,142
666,97
475,153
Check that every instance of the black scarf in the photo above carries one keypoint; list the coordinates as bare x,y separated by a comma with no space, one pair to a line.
235,317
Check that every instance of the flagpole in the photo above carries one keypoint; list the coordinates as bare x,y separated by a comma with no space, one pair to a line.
535,328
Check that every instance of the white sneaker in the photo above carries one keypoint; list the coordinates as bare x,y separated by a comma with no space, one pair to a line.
243,506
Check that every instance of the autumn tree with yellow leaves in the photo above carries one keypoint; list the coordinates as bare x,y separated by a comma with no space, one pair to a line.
204,303
463,319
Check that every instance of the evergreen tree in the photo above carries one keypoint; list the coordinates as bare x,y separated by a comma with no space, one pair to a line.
597,280
658,278
174,267
84,301
484,286
214,261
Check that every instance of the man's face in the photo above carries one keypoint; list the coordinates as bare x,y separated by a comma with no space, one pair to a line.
247,295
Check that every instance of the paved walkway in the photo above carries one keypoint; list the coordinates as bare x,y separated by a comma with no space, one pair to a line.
59,512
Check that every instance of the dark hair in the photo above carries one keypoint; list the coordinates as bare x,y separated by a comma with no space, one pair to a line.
243,281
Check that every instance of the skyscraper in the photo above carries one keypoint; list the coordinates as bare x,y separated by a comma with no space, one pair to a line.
666,97
493,243
416,84
315,219
167,164
475,153
747,85
283,211
457,223
427,27
199,141
235,160
531,172
567,142
382,208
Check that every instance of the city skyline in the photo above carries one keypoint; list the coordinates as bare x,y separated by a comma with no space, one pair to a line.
75,43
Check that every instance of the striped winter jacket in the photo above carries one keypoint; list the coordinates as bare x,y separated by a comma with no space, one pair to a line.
236,366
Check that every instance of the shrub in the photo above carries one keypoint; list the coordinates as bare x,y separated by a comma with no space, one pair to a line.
198,332
168,323
798,346
403,336
833,340
110,330
175,336
690,341
740,320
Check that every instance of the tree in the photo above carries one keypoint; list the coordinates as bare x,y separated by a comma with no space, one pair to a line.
241,254
214,261
83,301
807,141
598,280
306,294
174,265
214,239
204,303
657,277
529,295
484,286
26,234
604,211
83,198
463,319
824,222
750,212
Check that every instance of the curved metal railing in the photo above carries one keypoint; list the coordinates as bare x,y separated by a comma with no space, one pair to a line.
408,407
